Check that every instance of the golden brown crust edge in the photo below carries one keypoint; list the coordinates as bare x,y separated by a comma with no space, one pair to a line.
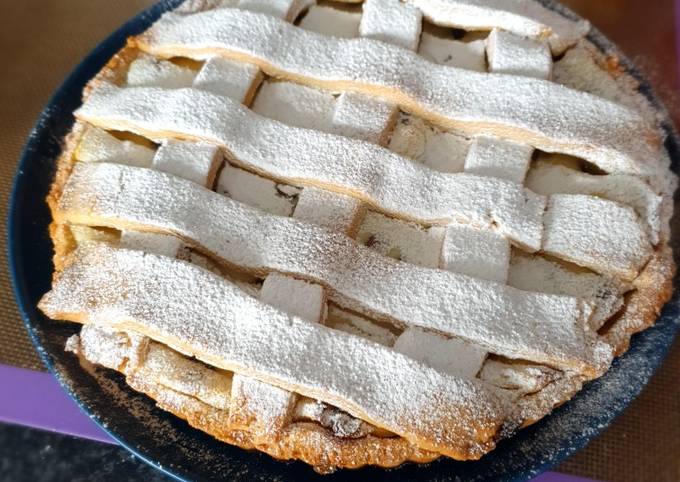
303,441
312,443
63,241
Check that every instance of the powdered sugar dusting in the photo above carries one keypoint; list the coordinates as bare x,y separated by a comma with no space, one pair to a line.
148,71
259,406
391,21
351,115
113,349
267,407
534,273
331,21
97,145
228,78
400,240
489,156
477,253
580,69
364,170
448,355
464,55
195,161
296,105
569,121
362,117
234,331
334,211
254,190
419,140
501,318
548,179
285,9
599,234
514,55
530,19
164,244
135,355
295,297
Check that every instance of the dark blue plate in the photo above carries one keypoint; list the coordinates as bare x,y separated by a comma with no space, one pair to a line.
169,443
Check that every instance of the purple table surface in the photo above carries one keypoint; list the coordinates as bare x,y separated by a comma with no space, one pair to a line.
35,399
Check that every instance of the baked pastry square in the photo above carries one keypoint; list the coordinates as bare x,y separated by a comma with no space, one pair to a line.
365,232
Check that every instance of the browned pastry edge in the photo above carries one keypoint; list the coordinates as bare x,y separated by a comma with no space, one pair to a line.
304,441
312,443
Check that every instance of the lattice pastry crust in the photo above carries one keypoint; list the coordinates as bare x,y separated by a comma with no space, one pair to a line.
352,235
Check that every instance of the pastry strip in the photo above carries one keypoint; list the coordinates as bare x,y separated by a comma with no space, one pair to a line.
490,156
475,252
331,21
482,253
237,79
195,161
202,315
331,210
253,190
513,55
97,145
532,326
521,17
448,355
232,79
391,21
262,407
258,406
569,121
148,71
284,9
548,179
596,233
401,240
361,116
535,273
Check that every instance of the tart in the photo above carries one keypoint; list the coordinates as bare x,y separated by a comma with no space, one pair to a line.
361,233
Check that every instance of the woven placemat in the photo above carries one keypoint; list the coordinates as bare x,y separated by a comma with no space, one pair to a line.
44,39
